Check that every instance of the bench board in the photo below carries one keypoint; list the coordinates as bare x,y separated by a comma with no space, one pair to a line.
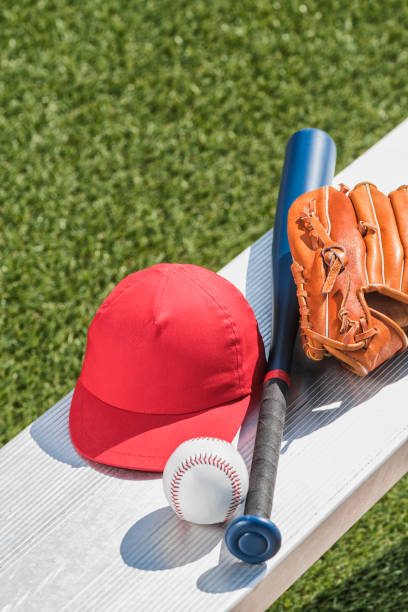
76,536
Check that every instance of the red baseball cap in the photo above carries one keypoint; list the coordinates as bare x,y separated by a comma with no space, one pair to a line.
174,352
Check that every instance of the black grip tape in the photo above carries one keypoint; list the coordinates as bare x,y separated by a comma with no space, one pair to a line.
267,448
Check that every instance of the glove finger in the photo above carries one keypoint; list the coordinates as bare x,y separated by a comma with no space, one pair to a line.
399,202
385,254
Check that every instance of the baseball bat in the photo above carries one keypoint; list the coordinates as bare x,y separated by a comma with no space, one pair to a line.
309,163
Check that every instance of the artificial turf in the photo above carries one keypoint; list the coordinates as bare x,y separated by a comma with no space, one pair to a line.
135,132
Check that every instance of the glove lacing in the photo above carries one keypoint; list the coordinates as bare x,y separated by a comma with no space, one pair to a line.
335,259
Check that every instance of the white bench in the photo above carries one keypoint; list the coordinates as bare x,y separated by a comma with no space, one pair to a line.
81,537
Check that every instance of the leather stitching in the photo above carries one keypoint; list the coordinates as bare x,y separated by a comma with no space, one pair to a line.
211,460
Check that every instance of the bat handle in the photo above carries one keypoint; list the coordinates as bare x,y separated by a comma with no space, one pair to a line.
253,537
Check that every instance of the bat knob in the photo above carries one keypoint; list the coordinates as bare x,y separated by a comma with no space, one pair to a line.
253,538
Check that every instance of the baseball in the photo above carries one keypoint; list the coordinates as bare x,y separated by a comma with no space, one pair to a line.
205,480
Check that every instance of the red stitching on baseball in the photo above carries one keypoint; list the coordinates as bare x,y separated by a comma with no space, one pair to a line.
215,461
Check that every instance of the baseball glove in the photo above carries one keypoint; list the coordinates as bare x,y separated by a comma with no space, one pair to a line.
350,265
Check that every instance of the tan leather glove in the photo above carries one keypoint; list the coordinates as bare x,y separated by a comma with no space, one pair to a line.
350,265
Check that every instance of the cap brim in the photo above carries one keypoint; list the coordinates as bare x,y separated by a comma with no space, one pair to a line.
140,441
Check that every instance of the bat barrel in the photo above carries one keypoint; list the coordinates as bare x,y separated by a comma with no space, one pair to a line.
310,159
309,163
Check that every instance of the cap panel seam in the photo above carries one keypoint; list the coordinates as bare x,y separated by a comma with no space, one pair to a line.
103,309
160,298
223,308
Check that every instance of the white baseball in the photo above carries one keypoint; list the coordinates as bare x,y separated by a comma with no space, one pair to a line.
205,480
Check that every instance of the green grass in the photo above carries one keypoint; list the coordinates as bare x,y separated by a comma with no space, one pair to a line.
365,571
133,132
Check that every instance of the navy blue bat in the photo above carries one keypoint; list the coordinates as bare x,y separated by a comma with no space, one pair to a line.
309,163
